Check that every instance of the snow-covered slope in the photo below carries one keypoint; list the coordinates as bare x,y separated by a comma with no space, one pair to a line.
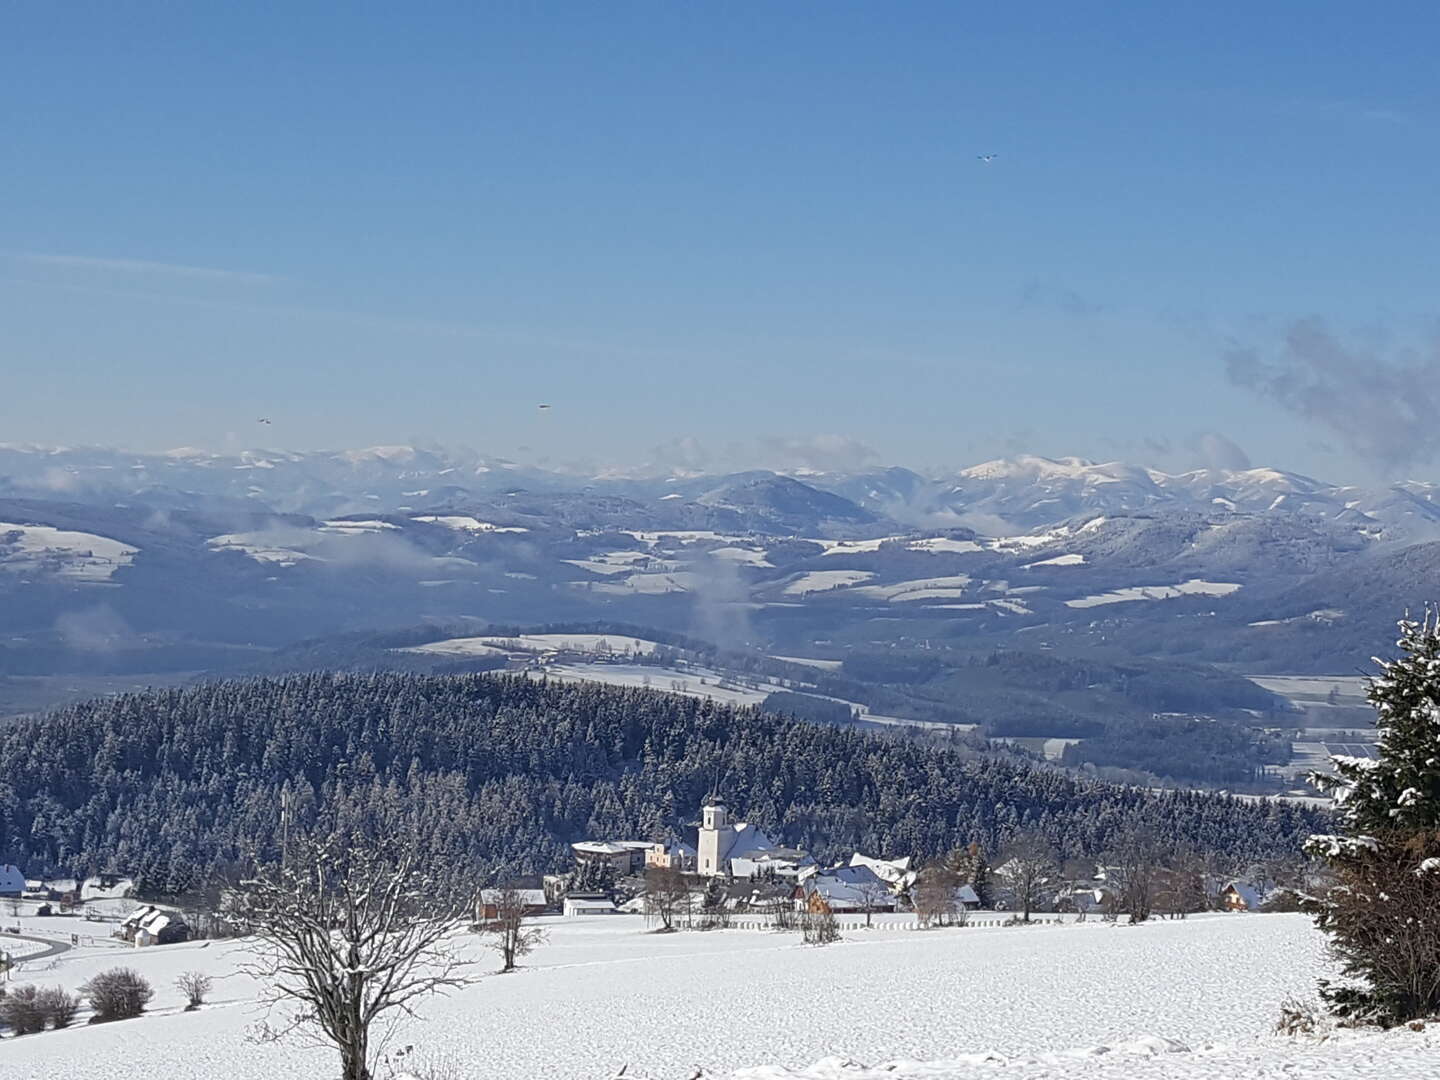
1188,1000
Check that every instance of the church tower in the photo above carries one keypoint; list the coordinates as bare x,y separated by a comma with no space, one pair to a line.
716,837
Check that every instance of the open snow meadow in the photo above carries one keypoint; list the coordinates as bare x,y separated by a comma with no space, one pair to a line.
1193,998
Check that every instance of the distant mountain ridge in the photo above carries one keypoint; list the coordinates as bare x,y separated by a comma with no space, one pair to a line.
1022,493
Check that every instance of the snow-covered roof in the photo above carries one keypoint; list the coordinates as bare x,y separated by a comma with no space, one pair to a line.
896,872
599,847
153,919
11,879
106,887
748,842
848,885
1250,895
527,897
579,903
747,867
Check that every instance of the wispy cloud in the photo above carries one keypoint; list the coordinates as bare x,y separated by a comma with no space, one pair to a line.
135,266
1380,402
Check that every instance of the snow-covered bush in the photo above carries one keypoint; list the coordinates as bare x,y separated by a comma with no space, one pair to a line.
20,1010
1383,913
117,994
1298,1017
820,928
194,985
57,1006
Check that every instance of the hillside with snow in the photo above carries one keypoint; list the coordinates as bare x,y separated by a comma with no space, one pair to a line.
1186,999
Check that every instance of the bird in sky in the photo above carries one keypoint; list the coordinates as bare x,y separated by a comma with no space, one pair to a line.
543,406
986,158
263,420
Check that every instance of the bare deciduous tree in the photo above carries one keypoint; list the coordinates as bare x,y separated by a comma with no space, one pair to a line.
1134,864
934,894
667,896
194,985
873,896
349,931
1026,868
820,927
509,935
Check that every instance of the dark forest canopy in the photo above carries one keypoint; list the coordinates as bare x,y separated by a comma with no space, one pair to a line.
501,773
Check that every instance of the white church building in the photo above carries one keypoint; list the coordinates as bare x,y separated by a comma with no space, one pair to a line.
739,849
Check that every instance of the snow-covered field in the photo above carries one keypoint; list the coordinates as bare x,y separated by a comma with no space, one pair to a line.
1190,999
1193,587
77,556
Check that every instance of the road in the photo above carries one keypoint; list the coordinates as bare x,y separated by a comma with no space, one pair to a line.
52,948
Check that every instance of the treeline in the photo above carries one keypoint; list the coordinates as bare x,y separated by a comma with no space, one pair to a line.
500,774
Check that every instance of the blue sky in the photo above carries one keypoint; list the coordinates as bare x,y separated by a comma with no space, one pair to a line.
729,224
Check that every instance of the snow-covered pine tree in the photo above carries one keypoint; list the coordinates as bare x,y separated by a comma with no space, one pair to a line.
1383,913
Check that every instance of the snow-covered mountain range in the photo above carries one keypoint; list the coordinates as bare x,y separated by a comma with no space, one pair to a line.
1013,495
199,556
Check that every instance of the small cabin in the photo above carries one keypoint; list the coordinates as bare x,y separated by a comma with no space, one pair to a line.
577,905
487,908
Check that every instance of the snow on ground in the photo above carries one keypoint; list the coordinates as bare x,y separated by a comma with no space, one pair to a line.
1072,559
813,581
346,527
1188,1000
615,643
851,547
687,681
77,556
742,555
648,584
260,546
946,545
1193,587
465,646
810,661
465,523
936,588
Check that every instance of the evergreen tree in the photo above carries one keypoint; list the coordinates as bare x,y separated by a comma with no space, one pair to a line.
1383,915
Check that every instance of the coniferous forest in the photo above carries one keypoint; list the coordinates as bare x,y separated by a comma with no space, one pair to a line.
499,774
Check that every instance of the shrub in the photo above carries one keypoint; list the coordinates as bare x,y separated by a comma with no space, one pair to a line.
57,1006
1297,1017
117,994
194,985
20,1010
820,928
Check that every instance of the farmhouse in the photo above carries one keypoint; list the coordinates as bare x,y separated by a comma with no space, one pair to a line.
845,889
12,881
487,905
154,926
1241,896
109,886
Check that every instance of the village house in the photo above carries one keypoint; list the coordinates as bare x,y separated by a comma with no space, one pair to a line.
623,856
581,904
1241,896
65,891
12,881
896,873
844,890
674,856
108,886
153,925
487,904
